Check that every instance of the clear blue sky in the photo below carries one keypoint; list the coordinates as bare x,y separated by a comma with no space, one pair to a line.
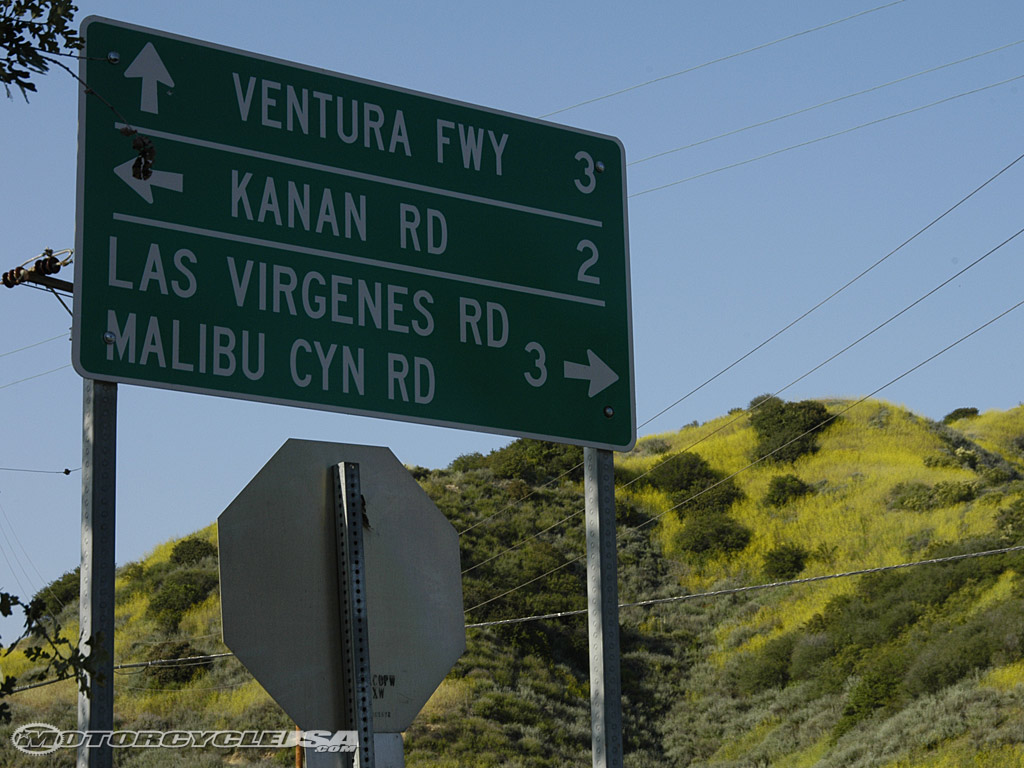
718,263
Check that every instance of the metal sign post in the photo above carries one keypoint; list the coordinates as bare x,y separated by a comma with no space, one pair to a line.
96,605
603,609
355,651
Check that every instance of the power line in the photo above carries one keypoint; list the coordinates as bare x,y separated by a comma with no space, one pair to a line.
522,542
845,349
761,459
190,689
14,556
42,684
754,587
517,502
823,138
64,471
673,457
194,660
525,583
36,344
740,359
834,416
184,661
836,292
823,104
719,60
28,558
35,376
10,559
190,638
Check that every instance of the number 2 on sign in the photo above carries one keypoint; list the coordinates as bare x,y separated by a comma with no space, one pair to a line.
581,275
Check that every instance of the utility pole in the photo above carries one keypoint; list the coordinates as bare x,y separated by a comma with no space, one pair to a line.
41,272
99,486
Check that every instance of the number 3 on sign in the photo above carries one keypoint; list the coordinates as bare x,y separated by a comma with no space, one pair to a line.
536,379
586,187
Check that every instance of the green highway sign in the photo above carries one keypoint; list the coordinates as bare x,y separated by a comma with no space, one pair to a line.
259,229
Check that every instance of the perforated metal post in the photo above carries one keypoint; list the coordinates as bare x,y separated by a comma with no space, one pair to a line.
352,592
96,606
603,609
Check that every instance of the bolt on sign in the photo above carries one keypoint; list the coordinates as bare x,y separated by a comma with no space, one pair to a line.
258,229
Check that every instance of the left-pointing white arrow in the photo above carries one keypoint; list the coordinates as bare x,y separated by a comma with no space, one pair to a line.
595,370
144,187
150,68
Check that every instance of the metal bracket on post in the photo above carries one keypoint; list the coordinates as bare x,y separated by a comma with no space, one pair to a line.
603,609
96,606
349,515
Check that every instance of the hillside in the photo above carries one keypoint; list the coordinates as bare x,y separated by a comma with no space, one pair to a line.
918,667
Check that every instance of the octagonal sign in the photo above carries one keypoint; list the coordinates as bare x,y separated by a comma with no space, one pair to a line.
279,590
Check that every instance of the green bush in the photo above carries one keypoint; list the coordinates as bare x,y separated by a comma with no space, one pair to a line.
680,472
506,709
1010,522
810,651
652,446
919,497
766,668
946,494
175,674
135,579
537,462
959,413
712,533
783,489
965,457
785,561
192,550
180,591
916,497
949,656
61,592
995,476
690,480
952,651
467,462
941,460
880,686
133,572
418,473
626,476
786,431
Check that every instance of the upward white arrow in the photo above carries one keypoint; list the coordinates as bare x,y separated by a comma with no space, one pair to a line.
595,370
150,68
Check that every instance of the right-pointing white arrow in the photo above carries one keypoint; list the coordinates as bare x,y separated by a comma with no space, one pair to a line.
595,370
144,187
